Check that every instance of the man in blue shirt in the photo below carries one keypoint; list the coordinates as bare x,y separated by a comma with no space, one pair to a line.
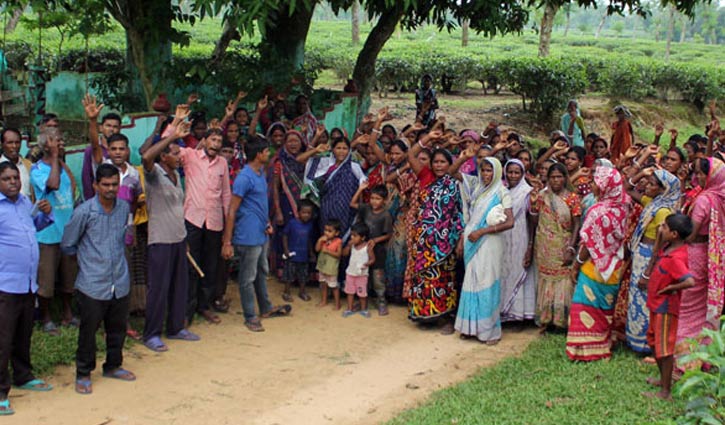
96,233
18,273
248,222
52,182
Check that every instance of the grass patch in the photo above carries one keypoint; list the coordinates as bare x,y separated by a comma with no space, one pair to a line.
544,387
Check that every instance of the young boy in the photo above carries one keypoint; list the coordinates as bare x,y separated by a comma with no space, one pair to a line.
380,223
297,247
667,278
329,248
362,257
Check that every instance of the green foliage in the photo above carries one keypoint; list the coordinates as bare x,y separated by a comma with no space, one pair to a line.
543,387
705,391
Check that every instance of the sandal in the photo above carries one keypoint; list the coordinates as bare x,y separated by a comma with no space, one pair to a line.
133,334
83,386
120,374
254,325
51,329
220,306
210,317
185,335
304,296
286,297
155,344
5,409
74,322
279,311
36,385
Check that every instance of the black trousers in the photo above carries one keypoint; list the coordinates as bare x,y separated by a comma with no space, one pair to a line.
167,290
114,315
206,247
16,327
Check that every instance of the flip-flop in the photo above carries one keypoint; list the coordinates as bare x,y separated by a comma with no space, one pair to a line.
185,335
120,374
51,329
5,409
133,334
84,386
254,325
36,385
279,311
287,297
74,322
305,296
155,344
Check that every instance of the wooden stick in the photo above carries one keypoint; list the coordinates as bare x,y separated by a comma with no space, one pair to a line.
194,265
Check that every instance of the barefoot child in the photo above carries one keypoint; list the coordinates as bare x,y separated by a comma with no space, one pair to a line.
666,278
380,224
297,246
356,276
329,247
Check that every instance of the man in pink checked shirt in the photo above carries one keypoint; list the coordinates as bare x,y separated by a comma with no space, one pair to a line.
206,203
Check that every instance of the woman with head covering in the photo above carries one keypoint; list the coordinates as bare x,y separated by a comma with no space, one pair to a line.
469,137
659,200
572,124
557,212
304,121
426,101
622,133
487,213
701,305
597,268
518,282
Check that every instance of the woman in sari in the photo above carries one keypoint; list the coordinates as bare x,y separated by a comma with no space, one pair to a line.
305,122
659,200
400,182
701,305
572,124
288,178
518,283
622,133
597,267
332,181
437,228
580,177
487,213
557,212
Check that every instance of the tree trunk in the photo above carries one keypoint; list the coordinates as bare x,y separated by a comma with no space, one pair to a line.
13,22
683,31
283,44
547,25
464,32
670,32
601,25
229,33
355,22
568,19
148,36
364,72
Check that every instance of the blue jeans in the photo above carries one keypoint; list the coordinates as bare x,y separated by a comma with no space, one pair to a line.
253,271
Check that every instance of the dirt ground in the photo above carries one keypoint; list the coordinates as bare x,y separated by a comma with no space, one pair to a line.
311,368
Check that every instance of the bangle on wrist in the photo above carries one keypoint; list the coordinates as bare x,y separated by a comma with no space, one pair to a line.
375,130
645,276
422,146
631,183
571,248
579,260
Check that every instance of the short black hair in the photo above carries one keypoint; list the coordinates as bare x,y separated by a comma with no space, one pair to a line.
361,229
579,151
680,223
116,137
334,223
304,203
111,116
255,146
445,153
214,132
379,190
48,117
7,164
10,130
105,171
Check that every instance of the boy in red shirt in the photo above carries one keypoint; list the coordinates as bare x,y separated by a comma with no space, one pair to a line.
667,278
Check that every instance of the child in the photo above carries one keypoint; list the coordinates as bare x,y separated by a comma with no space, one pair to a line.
329,247
356,279
380,224
296,244
666,279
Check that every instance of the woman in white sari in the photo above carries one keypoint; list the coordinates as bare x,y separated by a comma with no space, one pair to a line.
518,281
487,214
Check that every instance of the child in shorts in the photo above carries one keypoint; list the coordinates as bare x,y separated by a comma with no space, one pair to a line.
329,248
297,248
356,275
665,279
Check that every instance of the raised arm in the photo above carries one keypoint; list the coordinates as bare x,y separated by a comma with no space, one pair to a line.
309,153
261,105
176,130
93,109
355,201
417,147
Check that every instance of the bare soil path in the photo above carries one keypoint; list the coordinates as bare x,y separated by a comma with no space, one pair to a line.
311,368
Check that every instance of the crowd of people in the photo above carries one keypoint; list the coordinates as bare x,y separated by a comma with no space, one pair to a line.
607,238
